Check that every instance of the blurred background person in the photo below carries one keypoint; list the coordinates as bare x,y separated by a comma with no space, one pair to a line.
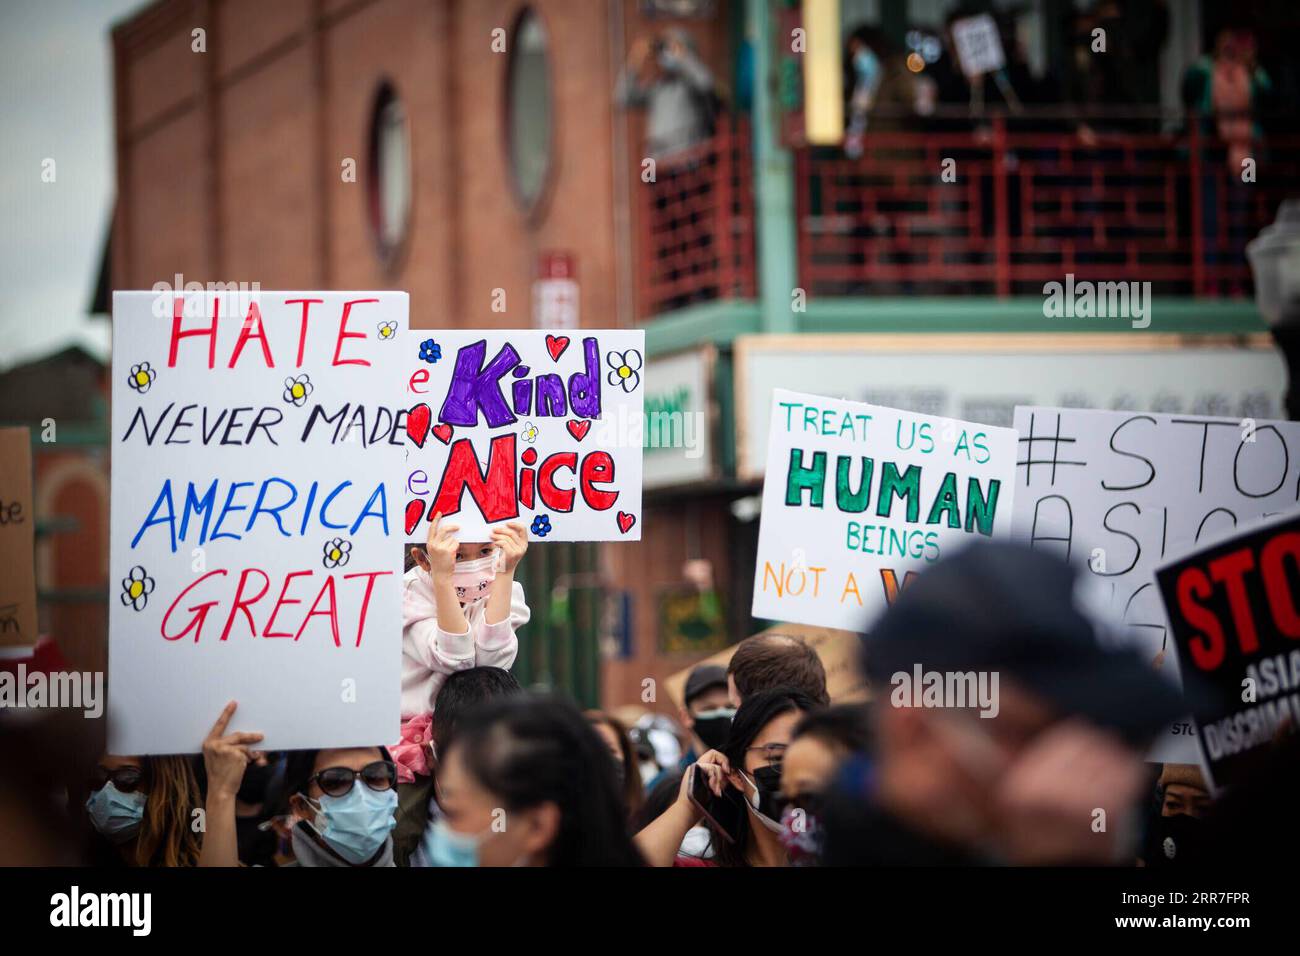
626,760
461,692
1064,739
819,745
527,781
665,77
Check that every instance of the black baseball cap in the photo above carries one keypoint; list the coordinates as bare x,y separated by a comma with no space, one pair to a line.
996,606
701,679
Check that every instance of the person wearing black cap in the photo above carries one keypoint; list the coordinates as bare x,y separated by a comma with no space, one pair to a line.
1047,769
706,713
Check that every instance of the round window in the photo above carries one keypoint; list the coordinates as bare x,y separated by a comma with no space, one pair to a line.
390,172
528,108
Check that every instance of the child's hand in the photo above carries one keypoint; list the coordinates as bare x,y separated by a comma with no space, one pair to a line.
512,539
441,547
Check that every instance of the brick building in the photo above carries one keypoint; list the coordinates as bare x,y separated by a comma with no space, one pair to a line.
457,149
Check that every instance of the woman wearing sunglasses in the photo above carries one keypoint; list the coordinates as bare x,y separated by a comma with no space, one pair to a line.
343,800
746,773
140,809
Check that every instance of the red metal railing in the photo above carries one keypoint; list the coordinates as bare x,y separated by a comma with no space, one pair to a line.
1025,208
696,236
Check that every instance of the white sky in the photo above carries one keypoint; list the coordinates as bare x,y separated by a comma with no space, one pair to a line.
56,102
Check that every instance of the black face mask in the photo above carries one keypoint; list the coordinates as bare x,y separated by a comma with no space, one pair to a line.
768,781
1179,840
713,731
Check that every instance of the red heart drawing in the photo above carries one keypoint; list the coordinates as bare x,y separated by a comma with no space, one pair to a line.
417,424
556,346
442,433
625,521
578,429
414,512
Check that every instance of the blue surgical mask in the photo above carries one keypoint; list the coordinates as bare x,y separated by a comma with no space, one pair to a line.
867,65
443,846
356,824
114,814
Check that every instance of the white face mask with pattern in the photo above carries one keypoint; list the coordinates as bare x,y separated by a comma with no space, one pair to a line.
472,579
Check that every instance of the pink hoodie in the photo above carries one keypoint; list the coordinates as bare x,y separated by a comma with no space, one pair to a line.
430,653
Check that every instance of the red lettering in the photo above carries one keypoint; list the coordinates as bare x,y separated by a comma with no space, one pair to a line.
302,329
598,468
557,499
365,601
242,605
200,611
345,334
493,491
178,311
332,613
288,579
1207,648
1229,570
1276,585
253,321
420,377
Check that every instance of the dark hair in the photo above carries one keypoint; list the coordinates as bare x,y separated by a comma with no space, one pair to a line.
755,713
528,750
627,755
464,690
407,554
767,661
657,799
845,725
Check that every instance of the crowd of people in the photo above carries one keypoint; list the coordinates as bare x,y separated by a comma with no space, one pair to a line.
760,768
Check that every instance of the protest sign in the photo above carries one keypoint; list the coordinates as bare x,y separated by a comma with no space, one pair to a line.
17,544
256,527
979,47
857,497
1123,491
839,652
1234,610
527,426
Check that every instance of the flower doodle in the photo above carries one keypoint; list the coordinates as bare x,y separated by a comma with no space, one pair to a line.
541,526
136,588
387,331
141,377
337,551
529,434
625,369
297,388
430,351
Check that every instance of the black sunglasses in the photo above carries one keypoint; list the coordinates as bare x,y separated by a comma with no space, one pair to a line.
336,781
125,779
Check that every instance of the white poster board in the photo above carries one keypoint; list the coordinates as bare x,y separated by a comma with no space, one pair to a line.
979,47
856,496
527,426
1124,492
256,523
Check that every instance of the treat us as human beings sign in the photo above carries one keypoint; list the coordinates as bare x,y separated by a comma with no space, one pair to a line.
858,497
1234,613
527,426
256,528
1121,492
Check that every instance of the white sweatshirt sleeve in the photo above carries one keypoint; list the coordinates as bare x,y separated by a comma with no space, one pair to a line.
495,645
